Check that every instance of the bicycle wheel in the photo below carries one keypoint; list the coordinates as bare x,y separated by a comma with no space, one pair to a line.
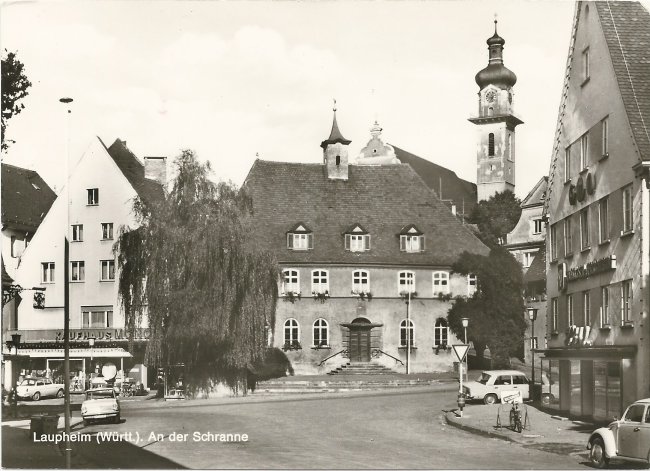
518,425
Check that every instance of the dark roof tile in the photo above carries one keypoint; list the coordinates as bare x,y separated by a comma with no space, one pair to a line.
26,198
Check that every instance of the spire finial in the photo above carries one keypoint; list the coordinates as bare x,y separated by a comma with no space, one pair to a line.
495,23
334,109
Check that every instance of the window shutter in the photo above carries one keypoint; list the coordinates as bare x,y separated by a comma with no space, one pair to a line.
402,243
289,240
422,243
347,241
367,237
310,241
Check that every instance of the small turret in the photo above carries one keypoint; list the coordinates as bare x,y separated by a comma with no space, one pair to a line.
335,152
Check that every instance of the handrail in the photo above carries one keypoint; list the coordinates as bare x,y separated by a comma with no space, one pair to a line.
332,356
389,355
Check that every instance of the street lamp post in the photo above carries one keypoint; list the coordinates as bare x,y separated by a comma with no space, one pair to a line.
532,315
66,296
465,322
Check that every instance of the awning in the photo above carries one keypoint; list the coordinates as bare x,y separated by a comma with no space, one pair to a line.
604,352
76,352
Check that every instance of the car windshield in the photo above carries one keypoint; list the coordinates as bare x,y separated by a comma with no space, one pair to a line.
100,394
28,382
484,378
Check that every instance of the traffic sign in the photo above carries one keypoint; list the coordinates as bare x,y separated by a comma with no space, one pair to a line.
460,351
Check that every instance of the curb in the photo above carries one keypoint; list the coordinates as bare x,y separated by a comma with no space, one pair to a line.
478,431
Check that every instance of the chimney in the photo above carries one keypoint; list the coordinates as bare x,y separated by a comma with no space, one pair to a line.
155,168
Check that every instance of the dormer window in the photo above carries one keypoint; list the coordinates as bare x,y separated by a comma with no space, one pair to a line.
357,239
300,238
411,239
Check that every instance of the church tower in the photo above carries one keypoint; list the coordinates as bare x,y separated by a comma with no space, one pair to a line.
495,149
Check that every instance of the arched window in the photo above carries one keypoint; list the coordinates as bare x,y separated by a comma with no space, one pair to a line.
405,282
440,282
321,333
441,333
360,281
406,333
291,332
491,144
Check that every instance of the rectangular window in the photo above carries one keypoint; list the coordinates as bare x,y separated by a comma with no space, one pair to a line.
411,243
567,164
107,270
554,313
360,282
300,241
626,301
77,232
605,137
568,236
357,242
603,220
93,196
585,65
319,282
537,226
569,309
405,282
97,318
584,151
627,210
528,258
472,281
47,272
584,228
586,308
291,281
440,283
604,306
77,271
107,230
554,242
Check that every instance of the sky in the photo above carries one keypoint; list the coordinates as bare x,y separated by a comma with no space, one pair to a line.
234,81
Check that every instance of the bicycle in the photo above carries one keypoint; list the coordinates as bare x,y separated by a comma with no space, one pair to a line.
515,418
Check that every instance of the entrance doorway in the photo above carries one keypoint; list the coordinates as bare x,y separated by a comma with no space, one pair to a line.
359,343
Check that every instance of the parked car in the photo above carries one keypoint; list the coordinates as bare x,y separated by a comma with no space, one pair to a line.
36,388
627,438
100,403
493,383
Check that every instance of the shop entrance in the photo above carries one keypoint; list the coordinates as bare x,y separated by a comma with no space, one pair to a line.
359,341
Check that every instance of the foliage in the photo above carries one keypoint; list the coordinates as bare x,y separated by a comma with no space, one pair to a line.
207,292
273,364
14,88
496,217
496,310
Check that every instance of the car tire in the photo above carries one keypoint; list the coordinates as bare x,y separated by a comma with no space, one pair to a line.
59,393
597,454
36,396
490,399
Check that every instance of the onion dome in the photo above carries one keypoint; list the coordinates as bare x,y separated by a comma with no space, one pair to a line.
496,73
335,134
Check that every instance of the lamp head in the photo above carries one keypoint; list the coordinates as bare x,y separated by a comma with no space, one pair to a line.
15,338
91,342
465,321
532,313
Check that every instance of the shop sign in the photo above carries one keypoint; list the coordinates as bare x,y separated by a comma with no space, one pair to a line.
592,268
104,334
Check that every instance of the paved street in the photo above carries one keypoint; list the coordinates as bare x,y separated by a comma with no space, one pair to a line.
393,430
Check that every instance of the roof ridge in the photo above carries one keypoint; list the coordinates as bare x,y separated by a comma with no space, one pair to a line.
627,69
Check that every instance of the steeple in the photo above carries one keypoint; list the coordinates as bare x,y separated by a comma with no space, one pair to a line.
496,73
335,152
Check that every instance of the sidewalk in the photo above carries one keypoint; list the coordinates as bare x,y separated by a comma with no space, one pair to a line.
542,430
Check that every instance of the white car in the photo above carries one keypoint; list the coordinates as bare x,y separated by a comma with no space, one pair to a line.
36,388
494,383
100,403
627,438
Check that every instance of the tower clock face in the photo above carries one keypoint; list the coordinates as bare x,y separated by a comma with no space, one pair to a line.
490,96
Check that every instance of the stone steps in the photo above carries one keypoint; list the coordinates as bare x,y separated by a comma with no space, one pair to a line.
304,387
361,369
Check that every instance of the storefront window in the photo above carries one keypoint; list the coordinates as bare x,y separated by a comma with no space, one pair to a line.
576,394
551,370
613,389
600,389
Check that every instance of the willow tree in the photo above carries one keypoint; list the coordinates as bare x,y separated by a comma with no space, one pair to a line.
190,267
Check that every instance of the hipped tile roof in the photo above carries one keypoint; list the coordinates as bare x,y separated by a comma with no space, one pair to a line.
382,199
26,198
626,26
